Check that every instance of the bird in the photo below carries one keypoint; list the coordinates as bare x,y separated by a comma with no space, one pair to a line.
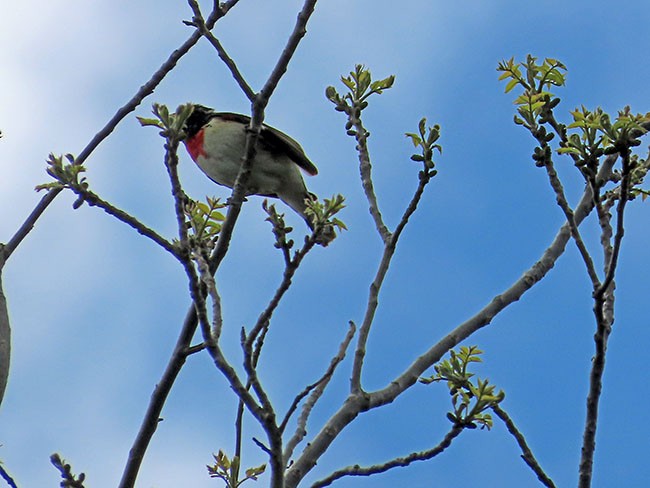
216,143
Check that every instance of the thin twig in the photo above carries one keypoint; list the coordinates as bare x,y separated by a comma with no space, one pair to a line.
211,285
171,164
315,391
365,169
265,317
568,213
94,200
375,287
194,349
620,230
199,23
527,455
299,31
252,353
197,292
215,351
5,476
5,340
400,462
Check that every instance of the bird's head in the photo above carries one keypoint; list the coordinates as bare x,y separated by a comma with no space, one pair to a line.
199,117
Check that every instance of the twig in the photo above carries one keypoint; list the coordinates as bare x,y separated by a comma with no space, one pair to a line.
620,230
158,399
171,164
194,349
527,455
400,462
5,340
211,285
316,389
261,445
299,31
575,233
197,291
69,479
265,317
365,169
375,287
237,197
5,476
199,23
94,200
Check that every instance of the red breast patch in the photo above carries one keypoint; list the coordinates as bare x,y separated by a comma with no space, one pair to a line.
194,145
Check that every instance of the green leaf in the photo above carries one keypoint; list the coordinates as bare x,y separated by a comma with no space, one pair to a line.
415,139
511,84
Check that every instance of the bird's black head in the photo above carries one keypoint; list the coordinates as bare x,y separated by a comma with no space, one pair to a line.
200,116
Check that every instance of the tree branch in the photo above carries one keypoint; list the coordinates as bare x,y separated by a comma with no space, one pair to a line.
620,230
316,389
527,455
237,197
5,339
5,476
603,311
355,404
375,287
199,23
94,200
182,348
144,91
365,169
400,462
299,31
575,232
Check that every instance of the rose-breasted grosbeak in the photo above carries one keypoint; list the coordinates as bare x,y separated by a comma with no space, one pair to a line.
216,141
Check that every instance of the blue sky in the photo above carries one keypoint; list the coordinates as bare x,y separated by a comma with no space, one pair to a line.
95,308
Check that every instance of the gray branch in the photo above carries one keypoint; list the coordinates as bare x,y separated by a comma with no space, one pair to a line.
357,403
5,341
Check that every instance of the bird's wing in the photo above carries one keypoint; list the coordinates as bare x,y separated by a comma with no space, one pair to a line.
275,141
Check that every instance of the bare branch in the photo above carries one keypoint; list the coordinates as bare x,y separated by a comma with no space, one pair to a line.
603,311
375,287
211,285
5,476
316,389
144,91
400,462
171,164
357,403
264,319
5,340
620,230
299,31
199,23
267,420
158,399
94,200
182,348
573,226
527,455
365,168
